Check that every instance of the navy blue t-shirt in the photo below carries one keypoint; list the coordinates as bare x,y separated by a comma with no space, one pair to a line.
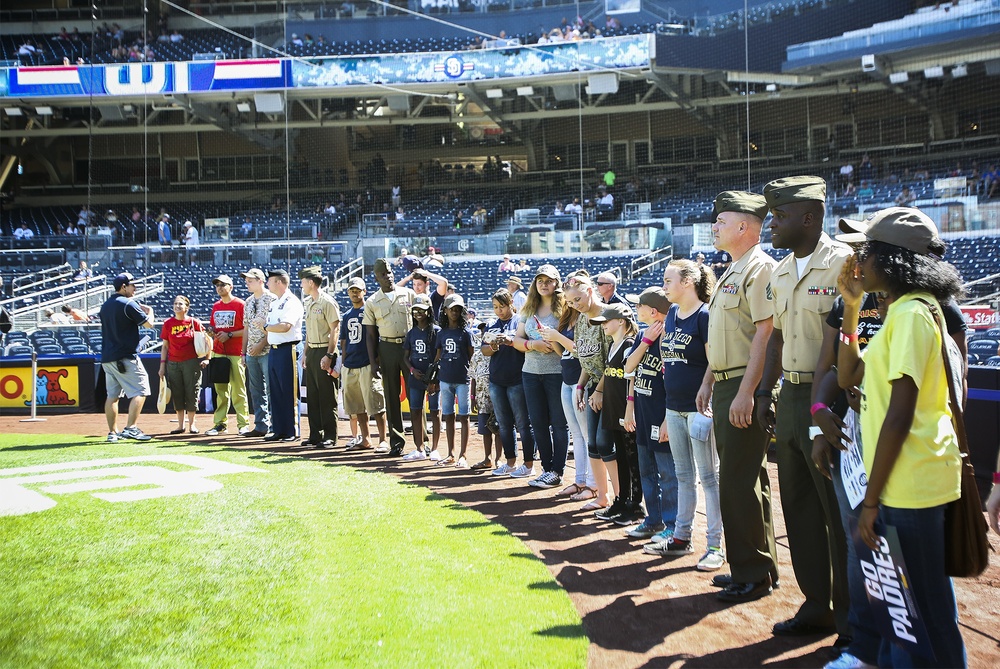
421,346
454,345
649,393
682,346
506,362
353,333
120,321
570,363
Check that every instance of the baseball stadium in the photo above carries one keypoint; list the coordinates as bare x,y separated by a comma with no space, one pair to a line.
499,333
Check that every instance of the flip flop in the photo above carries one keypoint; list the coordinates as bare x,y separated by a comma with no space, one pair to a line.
571,489
194,430
584,494
450,460
462,464
483,464
179,430
594,505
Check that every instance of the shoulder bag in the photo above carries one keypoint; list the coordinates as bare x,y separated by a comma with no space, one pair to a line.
966,545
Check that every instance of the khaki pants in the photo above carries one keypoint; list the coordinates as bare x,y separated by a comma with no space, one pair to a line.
236,392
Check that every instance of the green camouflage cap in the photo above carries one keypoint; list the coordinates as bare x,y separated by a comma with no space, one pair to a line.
741,202
794,189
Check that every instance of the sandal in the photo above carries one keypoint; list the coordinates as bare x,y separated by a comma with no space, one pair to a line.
571,489
586,492
179,430
462,463
450,460
594,505
194,430
483,464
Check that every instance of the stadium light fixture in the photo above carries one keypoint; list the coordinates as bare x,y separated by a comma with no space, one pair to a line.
243,107
899,78
935,72
13,111
494,93
44,111
525,91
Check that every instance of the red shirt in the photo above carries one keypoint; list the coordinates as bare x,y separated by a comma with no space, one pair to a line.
228,317
179,335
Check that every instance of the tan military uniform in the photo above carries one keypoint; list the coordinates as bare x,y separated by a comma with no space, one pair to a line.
321,388
740,301
392,317
320,313
812,519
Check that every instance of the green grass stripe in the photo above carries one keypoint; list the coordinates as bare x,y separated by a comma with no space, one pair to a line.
305,565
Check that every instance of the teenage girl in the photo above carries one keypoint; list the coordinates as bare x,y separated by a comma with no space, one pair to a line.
418,351
621,459
454,353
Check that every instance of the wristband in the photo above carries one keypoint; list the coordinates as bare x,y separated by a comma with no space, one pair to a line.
996,478
647,342
630,398
819,406
598,391
580,387
762,393
848,338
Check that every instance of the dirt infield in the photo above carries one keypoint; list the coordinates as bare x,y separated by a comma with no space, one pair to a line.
638,610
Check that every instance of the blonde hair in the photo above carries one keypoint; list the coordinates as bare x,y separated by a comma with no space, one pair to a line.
700,275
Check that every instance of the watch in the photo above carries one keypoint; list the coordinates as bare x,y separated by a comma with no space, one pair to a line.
331,356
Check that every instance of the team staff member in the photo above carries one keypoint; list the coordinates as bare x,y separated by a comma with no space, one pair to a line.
741,315
284,331
803,289
227,331
363,396
322,328
387,315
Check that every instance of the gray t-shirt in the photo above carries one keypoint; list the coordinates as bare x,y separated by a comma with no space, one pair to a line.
534,361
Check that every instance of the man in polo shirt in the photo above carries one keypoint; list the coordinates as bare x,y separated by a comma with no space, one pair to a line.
255,348
387,313
607,286
121,318
363,396
227,331
740,313
284,331
803,288
322,327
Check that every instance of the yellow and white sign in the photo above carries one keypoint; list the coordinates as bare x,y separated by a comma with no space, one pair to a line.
56,386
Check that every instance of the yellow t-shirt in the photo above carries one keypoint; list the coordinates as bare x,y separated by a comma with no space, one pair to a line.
928,470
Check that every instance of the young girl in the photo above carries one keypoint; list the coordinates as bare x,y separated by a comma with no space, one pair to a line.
418,350
685,334
454,353
621,457
479,390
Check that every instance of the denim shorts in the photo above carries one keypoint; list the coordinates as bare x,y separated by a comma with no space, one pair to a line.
449,393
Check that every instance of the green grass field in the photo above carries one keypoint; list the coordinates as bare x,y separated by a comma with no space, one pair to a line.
299,565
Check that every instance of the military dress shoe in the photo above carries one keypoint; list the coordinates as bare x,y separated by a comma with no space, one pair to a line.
725,580
254,433
745,592
796,627
273,437
290,437
395,451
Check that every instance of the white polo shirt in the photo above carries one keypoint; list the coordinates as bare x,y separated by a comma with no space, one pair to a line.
285,309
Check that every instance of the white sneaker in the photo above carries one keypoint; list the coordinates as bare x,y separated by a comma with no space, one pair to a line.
414,456
434,456
245,429
502,470
848,661
133,433
712,560
462,464
113,436
522,472
354,441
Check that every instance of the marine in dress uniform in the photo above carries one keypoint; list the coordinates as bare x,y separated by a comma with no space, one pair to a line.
803,288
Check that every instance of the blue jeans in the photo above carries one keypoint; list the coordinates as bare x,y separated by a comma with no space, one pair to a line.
451,391
416,393
690,453
257,380
659,484
921,538
511,411
599,444
577,421
543,394
865,638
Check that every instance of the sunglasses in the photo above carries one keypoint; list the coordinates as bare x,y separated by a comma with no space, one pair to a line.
604,283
